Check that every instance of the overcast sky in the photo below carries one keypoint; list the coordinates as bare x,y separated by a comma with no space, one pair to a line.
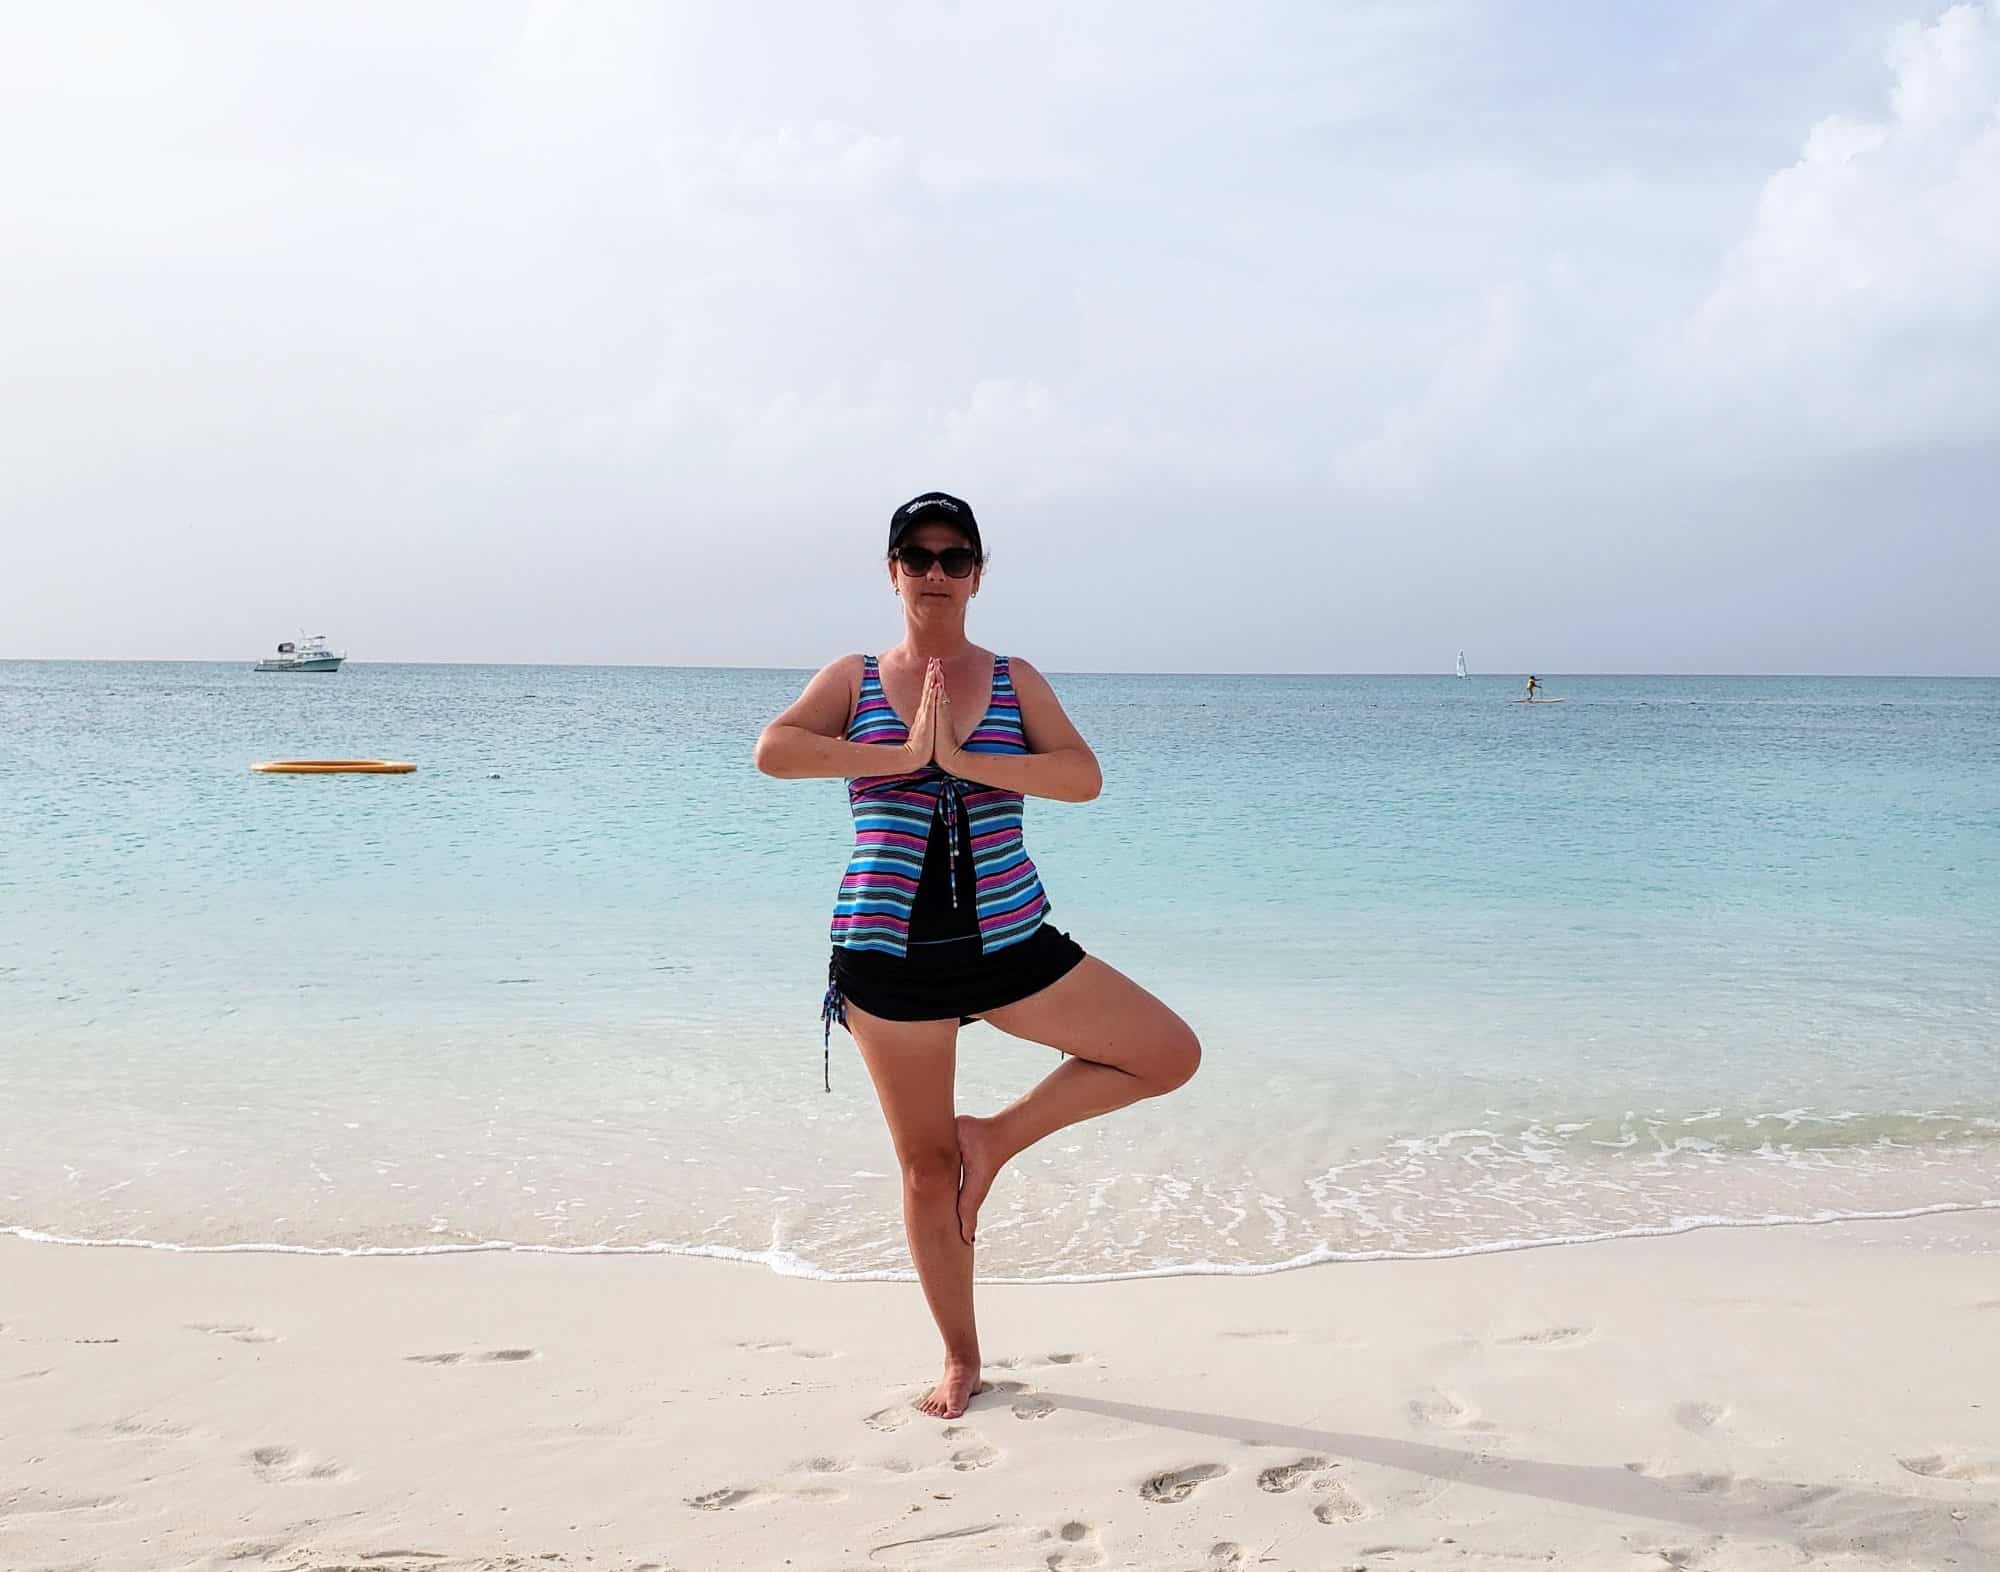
1317,336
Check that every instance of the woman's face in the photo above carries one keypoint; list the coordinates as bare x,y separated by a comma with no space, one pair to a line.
933,591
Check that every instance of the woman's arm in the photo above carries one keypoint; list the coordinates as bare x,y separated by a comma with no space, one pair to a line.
1058,763
808,741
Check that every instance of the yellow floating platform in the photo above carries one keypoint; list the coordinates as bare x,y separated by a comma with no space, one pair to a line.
334,767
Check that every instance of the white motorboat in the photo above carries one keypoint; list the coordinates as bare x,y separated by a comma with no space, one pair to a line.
308,654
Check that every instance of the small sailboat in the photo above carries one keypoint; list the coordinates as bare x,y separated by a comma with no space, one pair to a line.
1461,663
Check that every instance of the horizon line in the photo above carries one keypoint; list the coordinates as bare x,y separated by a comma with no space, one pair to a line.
586,665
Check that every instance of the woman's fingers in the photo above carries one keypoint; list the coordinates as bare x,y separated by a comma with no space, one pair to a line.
925,728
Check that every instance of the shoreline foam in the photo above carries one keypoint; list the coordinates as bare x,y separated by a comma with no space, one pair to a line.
784,1263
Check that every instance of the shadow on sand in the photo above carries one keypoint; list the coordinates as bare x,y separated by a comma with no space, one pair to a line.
1818,1519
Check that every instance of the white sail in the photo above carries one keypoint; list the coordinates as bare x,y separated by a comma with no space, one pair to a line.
1461,663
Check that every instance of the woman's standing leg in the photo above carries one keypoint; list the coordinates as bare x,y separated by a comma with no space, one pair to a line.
912,1064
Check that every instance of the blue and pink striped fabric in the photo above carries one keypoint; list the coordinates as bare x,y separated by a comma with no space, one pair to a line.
892,824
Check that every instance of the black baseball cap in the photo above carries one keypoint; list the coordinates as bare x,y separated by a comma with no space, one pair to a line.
935,507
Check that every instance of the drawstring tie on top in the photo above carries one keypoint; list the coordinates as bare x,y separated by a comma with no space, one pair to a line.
952,791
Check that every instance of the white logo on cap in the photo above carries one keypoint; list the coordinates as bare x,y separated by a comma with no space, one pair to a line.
932,502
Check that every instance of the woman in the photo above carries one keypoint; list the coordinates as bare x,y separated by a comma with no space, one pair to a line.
941,916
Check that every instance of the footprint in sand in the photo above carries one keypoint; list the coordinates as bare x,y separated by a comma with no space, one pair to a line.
1036,1361
284,1465
1552,1337
236,1552
716,1500
1286,1476
495,1356
1225,1555
1952,1465
1080,1548
233,1329
1699,1417
970,1450
894,1417
1176,1485
1437,1410
131,1430
1336,1502
1023,1401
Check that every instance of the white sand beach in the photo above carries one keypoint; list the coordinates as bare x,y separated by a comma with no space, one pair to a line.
1730,1399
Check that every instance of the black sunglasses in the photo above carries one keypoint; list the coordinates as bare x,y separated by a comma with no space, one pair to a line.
957,561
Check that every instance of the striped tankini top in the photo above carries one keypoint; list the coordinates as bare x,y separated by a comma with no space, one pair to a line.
892,824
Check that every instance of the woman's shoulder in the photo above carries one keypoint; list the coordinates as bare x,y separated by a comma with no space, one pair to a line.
1036,693
1018,666
843,671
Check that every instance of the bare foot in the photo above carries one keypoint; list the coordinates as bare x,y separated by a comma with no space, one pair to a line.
980,1161
948,1398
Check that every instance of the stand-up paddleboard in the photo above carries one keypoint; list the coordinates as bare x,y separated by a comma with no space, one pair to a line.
1538,701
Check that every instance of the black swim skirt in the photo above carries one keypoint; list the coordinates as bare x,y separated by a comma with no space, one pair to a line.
936,982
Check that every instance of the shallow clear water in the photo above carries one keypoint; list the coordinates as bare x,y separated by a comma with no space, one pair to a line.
1467,973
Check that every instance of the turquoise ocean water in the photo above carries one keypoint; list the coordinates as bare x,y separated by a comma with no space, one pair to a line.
1468,974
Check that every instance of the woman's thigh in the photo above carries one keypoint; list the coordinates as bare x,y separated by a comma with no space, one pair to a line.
912,1064
1095,1012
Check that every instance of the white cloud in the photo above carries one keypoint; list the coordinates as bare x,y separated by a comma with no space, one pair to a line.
1858,311
1863,305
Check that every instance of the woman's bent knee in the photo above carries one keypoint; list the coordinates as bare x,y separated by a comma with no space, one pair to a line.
1180,1057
